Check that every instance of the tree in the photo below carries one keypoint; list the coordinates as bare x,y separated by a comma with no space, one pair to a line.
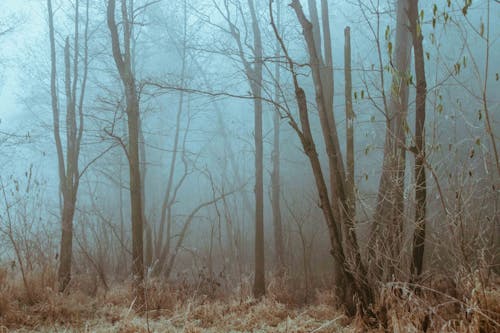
68,166
351,278
388,221
275,174
253,73
419,148
349,116
123,62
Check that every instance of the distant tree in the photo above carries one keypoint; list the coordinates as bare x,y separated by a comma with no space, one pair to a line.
275,174
68,166
253,72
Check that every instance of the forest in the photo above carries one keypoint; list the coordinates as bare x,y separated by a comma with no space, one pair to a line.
249,166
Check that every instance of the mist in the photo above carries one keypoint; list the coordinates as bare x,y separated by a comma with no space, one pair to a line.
328,158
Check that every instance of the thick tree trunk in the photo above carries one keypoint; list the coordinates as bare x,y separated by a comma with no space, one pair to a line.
420,178
387,232
66,249
135,196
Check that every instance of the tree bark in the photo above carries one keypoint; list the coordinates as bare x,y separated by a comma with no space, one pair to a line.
420,177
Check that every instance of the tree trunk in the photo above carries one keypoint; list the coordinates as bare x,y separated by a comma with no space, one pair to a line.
351,269
275,175
420,178
349,116
387,232
123,65
69,176
255,78
343,236
66,249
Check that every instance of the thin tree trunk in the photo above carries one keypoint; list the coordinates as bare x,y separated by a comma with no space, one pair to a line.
123,65
69,176
349,115
420,178
387,231
275,175
351,269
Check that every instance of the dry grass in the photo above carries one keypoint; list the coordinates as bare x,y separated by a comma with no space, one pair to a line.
466,304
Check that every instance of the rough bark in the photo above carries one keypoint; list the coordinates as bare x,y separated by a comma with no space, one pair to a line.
124,67
419,149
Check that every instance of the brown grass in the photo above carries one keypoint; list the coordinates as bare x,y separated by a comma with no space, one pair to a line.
464,304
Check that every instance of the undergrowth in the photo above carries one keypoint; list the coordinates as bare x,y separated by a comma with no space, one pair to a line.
464,303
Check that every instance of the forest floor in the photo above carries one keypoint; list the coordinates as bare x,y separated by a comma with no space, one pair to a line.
112,312
184,308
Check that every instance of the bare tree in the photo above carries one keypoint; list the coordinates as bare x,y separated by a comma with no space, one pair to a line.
68,167
253,71
388,221
123,62
351,278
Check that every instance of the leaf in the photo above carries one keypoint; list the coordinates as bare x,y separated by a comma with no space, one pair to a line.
428,55
434,9
479,114
433,38
440,108
422,15
372,119
497,76
389,47
362,94
387,32
478,141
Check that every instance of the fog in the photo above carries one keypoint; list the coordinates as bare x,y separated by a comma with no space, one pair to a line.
194,66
